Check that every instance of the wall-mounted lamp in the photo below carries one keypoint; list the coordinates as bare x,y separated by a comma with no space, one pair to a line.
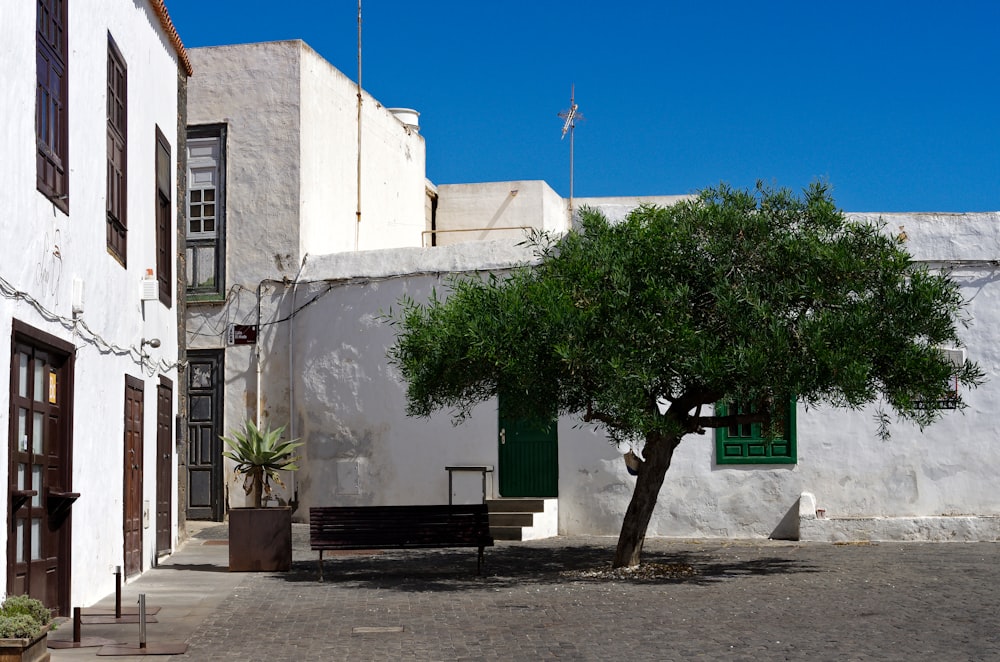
152,342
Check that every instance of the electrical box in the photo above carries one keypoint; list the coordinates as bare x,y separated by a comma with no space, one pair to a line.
150,287
956,357
77,296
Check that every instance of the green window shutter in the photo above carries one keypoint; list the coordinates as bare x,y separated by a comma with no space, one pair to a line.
746,443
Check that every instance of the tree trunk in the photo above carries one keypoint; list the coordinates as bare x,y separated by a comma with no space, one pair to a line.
658,451
258,488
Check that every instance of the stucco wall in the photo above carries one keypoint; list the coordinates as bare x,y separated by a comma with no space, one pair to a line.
483,211
615,208
48,250
291,191
254,89
392,167
947,469
350,410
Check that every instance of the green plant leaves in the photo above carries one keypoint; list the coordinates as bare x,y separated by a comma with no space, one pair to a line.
753,295
259,456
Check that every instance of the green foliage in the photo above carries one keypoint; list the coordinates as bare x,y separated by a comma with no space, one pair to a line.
754,296
22,617
19,626
259,456
23,604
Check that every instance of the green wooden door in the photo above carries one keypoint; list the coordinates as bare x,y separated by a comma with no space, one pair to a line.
528,458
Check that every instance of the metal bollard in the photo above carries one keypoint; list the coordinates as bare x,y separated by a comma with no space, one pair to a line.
118,591
142,620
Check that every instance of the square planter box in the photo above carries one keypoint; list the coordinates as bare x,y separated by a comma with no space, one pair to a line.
260,539
26,650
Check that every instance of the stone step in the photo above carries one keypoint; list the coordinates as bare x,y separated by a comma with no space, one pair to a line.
512,519
516,505
506,532
524,518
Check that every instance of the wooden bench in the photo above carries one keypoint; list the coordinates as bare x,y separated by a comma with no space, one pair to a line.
399,527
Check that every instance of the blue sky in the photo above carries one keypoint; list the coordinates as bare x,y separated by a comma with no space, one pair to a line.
896,104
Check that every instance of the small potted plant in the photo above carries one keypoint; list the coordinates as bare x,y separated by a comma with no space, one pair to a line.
260,538
24,629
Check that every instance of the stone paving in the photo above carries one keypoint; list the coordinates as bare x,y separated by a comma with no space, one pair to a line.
749,600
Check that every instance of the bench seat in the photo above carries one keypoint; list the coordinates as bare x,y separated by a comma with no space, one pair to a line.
399,527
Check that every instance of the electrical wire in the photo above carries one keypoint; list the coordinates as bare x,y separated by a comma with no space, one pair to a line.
81,330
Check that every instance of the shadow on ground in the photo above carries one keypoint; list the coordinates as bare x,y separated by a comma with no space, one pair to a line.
455,570
550,562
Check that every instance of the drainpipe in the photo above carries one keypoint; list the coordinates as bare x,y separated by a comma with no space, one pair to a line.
291,375
260,337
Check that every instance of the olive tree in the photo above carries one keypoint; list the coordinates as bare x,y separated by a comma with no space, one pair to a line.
750,296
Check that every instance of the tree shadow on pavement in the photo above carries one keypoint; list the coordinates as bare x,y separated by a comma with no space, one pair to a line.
416,570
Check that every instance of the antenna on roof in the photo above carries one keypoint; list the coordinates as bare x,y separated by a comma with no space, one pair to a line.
357,223
571,116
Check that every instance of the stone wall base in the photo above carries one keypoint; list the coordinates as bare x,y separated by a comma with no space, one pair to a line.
815,526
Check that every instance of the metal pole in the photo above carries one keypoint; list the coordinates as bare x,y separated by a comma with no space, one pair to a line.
118,591
357,223
572,137
142,620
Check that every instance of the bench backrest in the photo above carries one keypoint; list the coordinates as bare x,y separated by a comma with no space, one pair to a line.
399,526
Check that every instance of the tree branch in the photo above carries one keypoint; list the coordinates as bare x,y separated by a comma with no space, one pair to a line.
732,419
592,416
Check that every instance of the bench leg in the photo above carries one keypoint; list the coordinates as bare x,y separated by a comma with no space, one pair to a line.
479,564
321,565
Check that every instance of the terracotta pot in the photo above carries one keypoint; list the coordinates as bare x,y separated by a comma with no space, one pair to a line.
260,539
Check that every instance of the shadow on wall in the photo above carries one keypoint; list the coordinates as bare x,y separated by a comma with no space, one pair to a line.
788,527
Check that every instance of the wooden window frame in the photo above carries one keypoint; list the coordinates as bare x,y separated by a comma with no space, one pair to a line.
216,291
117,182
751,446
52,101
164,226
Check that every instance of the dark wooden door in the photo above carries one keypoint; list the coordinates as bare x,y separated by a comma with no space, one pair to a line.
40,501
204,421
133,476
164,464
528,457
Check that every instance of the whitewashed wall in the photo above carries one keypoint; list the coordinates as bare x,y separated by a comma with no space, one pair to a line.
393,160
491,211
362,449
615,208
254,89
291,159
47,250
949,469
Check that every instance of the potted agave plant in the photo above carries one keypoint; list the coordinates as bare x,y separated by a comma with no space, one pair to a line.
24,630
260,538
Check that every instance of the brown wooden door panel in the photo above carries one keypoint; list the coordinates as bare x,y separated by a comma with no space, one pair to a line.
132,515
164,464
40,443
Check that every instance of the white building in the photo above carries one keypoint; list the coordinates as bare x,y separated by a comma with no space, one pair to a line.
273,135
362,449
88,291
290,329
273,179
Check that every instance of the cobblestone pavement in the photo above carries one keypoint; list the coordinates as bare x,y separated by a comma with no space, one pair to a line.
749,600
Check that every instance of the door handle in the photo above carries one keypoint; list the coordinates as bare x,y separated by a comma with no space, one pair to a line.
503,435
